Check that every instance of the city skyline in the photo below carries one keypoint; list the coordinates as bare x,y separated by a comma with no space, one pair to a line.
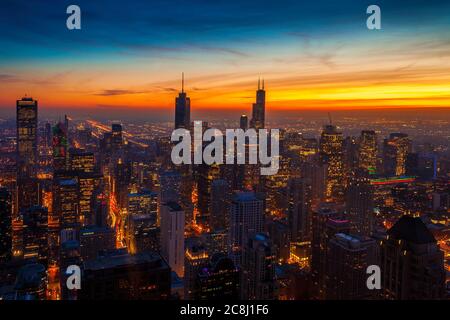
212,151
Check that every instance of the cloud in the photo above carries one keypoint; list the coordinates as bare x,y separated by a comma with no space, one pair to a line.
8,78
118,92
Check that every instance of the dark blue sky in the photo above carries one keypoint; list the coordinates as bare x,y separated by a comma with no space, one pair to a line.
36,29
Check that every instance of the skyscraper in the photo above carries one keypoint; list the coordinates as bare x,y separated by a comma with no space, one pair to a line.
348,257
411,262
35,234
60,147
246,219
196,257
27,121
170,186
116,136
331,149
299,209
182,109
258,269
327,221
81,161
26,156
172,236
259,108
66,207
143,231
219,205
5,225
395,152
243,122
218,280
359,204
206,175
367,151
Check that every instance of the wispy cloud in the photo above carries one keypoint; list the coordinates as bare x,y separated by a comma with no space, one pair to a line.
118,92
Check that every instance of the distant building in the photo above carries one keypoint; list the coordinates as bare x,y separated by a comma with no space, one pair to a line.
332,153
116,136
395,152
259,108
26,153
243,122
60,146
81,161
182,109
367,151
27,122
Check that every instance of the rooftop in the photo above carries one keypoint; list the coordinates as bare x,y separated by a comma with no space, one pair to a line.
412,230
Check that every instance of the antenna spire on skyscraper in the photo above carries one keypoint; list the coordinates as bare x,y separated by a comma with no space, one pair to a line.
259,82
263,83
182,82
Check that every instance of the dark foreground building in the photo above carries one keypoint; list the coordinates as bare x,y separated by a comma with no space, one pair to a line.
121,276
412,263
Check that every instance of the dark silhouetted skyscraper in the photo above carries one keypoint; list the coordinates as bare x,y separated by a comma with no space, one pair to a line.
182,109
259,108
243,122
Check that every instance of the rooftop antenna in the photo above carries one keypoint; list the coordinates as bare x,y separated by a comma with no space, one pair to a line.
263,84
182,82
329,118
259,82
